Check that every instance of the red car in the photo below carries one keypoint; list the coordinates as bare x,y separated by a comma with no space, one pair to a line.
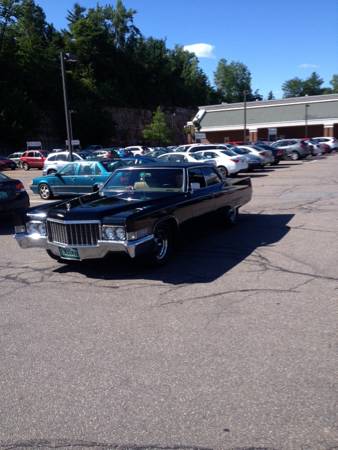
33,159
6,163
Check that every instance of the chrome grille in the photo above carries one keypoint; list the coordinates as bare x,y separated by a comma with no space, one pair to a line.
75,234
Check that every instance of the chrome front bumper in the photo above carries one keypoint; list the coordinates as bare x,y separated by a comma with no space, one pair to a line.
132,248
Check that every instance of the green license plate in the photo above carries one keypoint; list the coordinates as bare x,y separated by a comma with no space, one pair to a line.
69,253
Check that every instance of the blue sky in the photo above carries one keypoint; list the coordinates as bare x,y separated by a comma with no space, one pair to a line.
277,40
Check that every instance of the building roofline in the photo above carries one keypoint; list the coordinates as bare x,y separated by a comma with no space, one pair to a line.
267,103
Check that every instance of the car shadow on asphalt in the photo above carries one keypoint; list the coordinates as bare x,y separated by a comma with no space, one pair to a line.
205,252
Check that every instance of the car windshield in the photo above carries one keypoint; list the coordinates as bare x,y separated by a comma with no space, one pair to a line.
181,148
153,180
110,166
228,152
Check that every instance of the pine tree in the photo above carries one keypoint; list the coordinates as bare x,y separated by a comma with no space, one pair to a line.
157,132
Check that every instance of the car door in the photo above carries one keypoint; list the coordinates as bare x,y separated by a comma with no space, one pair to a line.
198,191
86,177
66,180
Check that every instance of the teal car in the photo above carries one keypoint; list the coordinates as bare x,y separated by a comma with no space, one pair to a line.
75,178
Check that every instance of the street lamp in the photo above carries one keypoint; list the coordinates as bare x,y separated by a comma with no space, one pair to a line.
244,111
306,118
65,100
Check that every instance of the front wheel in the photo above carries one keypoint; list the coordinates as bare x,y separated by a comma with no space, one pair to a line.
163,246
231,216
25,166
44,191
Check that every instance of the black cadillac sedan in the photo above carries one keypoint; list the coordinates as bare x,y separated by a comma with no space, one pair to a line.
13,197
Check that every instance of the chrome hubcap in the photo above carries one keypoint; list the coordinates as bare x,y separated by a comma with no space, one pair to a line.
161,243
44,191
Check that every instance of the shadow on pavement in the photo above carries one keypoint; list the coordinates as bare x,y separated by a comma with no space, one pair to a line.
204,253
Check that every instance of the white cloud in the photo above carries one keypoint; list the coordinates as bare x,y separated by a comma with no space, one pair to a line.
308,66
201,50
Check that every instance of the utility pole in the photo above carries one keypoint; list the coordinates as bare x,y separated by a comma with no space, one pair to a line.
65,100
306,119
244,126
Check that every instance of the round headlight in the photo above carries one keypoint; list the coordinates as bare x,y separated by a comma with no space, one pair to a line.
109,233
120,233
32,227
42,229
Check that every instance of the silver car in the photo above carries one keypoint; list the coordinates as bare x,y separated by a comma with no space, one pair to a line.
294,148
16,157
56,161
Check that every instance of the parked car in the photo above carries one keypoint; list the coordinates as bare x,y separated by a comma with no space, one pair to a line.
177,157
55,161
138,211
158,151
265,154
138,149
15,157
6,163
227,161
317,148
33,159
294,148
254,161
13,196
277,153
75,178
332,142
105,153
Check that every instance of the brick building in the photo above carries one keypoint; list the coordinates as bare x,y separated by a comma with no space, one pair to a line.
296,117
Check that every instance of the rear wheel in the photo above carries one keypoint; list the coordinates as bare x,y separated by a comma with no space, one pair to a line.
25,166
223,171
45,192
294,156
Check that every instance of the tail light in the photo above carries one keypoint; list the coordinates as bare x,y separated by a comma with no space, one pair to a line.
263,153
236,160
279,152
19,187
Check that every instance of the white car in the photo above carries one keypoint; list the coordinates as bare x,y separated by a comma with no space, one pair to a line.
332,142
266,155
56,161
138,149
227,161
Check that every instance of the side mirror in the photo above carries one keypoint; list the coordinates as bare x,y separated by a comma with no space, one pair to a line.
97,187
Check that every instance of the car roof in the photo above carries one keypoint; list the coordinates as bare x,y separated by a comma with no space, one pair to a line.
167,165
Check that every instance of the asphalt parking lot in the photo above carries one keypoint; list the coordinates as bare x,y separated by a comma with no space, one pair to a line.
232,345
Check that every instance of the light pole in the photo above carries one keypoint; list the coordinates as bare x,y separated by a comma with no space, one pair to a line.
244,111
65,101
306,118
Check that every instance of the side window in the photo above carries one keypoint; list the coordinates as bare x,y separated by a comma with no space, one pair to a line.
68,170
52,158
196,178
76,158
97,170
176,158
30,154
210,155
86,169
37,155
211,177
61,158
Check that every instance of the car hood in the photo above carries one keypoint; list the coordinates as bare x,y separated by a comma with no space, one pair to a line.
97,206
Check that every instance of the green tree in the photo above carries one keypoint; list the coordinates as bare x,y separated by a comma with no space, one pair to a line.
313,85
296,87
293,88
157,132
271,96
232,79
334,84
